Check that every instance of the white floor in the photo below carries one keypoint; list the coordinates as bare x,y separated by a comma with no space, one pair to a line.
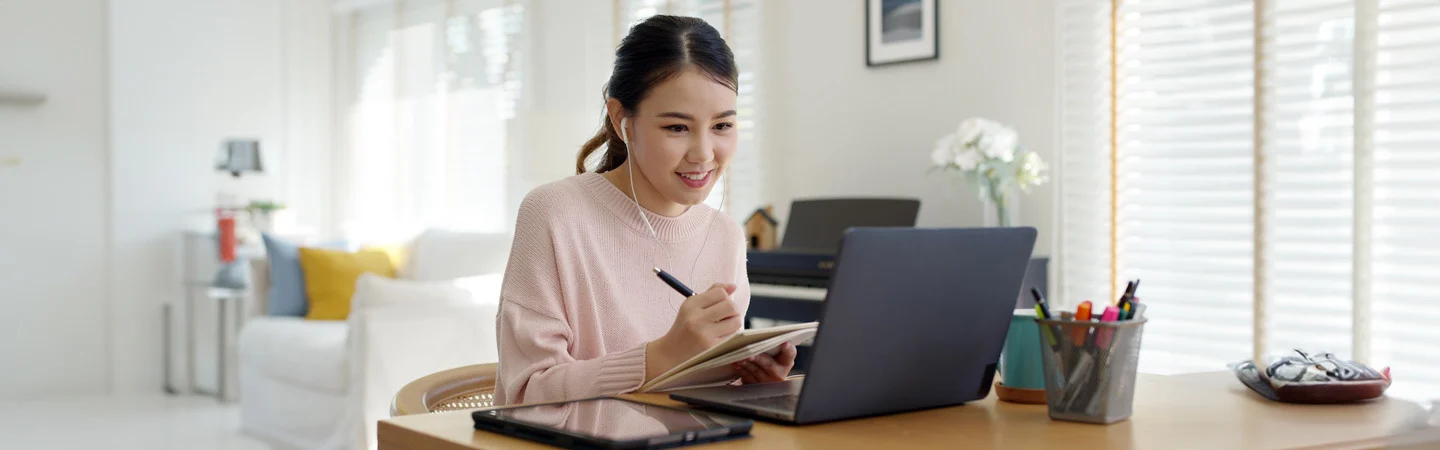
150,422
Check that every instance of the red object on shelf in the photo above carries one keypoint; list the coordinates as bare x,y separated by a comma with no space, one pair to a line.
226,225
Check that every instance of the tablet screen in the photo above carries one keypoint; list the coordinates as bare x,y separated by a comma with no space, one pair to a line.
612,419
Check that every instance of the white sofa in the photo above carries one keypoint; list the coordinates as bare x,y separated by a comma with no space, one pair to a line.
324,384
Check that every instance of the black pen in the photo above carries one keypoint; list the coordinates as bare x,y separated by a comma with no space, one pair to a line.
1125,297
1043,309
1040,300
674,283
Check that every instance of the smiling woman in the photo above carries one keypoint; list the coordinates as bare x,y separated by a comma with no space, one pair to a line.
581,314
686,126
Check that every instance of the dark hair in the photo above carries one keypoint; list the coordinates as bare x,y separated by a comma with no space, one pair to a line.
657,50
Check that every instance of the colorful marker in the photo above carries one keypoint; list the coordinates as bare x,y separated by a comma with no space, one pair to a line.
1112,314
1082,314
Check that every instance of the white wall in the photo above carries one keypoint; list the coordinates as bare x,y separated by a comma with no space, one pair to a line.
835,127
53,323
186,75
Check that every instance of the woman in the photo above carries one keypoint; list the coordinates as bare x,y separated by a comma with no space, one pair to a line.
581,311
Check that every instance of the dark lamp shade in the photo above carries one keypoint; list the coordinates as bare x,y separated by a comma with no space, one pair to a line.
238,156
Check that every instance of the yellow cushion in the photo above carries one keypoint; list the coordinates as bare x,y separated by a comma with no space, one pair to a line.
330,278
398,252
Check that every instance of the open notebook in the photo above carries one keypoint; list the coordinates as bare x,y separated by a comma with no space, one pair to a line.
712,367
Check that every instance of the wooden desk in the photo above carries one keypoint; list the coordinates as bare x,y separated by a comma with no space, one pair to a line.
1203,411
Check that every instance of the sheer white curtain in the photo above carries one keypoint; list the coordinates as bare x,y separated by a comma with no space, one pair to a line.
431,93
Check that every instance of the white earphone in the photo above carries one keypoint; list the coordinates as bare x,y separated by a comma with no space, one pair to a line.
630,169
625,137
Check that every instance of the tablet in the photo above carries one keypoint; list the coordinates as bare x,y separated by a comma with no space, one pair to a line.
611,423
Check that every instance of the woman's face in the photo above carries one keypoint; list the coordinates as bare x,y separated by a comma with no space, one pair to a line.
682,136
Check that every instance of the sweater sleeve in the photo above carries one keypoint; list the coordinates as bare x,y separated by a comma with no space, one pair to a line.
533,334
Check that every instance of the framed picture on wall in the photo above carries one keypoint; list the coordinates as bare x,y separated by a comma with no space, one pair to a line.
901,31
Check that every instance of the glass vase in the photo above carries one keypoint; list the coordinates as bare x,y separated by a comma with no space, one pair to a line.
1000,210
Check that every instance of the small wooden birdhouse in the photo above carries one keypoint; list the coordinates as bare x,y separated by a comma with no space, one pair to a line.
760,229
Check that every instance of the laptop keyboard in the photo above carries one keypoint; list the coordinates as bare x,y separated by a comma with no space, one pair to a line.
780,402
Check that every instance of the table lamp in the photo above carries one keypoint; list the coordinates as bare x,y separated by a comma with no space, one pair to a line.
238,156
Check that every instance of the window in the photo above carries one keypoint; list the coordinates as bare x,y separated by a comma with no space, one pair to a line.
1308,148
1273,176
1404,253
433,87
1184,174
431,94
1084,174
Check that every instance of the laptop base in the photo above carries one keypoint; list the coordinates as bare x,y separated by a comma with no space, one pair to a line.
740,399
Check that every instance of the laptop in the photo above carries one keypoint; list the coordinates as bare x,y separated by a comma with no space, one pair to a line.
914,319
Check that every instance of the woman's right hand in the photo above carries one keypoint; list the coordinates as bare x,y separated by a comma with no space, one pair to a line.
704,320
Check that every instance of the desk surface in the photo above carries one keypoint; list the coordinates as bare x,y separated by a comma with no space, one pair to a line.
1209,410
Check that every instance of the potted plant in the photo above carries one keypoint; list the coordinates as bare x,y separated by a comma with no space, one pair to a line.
262,214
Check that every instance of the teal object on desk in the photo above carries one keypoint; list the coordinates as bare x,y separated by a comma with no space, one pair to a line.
1021,365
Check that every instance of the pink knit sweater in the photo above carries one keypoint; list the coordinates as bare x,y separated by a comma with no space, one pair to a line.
580,300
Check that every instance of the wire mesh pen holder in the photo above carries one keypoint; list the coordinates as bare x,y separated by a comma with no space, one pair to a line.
1090,368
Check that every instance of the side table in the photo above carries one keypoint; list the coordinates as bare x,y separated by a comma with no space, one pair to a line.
225,300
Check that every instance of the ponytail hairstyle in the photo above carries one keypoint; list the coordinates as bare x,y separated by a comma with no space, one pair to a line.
656,50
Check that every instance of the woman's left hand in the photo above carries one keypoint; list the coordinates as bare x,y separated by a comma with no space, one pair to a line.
764,368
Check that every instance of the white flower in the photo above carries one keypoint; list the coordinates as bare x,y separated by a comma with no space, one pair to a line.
973,129
940,157
944,153
995,141
950,153
980,144
1000,143
968,160
1031,171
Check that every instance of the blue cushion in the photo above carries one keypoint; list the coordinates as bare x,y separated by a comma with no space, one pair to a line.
287,281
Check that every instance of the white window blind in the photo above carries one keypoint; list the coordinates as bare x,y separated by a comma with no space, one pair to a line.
1406,209
747,177
741,27
1308,183
432,89
1185,184
1084,173
1348,149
